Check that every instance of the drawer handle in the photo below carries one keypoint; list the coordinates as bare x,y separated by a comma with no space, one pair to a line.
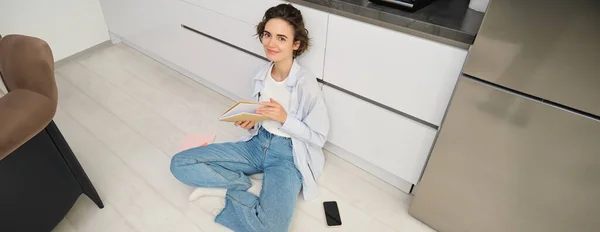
380,105
224,42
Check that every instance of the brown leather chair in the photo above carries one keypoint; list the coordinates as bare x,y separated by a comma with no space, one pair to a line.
40,177
27,67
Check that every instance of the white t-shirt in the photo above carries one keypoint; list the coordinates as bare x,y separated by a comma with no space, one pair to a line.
279,92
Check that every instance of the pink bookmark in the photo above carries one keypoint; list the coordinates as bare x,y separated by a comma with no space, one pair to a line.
196,140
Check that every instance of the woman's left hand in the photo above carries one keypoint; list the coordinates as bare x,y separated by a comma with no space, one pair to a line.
273,110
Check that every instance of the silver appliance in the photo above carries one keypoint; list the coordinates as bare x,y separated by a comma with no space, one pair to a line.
519,147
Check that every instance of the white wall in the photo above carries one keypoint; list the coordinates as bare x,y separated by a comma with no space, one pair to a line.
69,26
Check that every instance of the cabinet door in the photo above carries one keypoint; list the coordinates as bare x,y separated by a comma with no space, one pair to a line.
163,36
411,74
316,24
229,29
387,140
132,19
213,61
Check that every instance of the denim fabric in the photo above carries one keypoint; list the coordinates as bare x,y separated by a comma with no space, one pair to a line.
227,165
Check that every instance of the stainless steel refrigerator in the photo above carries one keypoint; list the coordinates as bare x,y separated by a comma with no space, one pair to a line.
519,147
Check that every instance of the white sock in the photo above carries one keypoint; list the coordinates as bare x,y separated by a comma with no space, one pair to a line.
256,187
201,192
258,176
216,211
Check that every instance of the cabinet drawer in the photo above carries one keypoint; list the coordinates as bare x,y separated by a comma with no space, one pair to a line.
387,140
212,61
228,29
237,26
410,74
132,18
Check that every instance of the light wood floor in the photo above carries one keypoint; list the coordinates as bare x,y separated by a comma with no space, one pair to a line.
125,115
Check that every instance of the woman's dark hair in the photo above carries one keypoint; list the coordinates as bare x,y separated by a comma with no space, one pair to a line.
291,15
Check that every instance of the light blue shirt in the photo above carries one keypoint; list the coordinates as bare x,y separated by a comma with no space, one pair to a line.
307,123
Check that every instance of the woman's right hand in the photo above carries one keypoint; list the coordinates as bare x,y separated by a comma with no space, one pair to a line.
245,124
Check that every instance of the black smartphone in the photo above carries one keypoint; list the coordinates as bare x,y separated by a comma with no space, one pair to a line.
332,213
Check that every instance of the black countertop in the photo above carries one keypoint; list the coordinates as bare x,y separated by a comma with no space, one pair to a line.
446,21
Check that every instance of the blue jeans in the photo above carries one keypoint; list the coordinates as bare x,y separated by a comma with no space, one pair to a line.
227,165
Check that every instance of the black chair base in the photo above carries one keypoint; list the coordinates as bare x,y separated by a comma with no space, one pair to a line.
40,182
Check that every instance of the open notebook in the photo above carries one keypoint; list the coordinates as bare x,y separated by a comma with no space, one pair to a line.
243,111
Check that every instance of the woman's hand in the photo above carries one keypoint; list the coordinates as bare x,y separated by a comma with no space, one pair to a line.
245,124
273,110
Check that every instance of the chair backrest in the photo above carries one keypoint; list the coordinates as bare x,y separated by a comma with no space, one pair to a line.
27,70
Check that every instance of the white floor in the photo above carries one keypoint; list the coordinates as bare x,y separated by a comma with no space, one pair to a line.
125,115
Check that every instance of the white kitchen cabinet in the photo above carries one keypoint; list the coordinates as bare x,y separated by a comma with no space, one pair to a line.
204,60
212,61
133,20
389,141
237,25
153,25
411,74
157,31
229,29
316,24
250,12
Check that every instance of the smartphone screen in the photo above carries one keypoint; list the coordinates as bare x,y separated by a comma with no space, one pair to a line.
332,213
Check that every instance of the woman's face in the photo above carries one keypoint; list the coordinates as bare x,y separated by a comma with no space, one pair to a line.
278,40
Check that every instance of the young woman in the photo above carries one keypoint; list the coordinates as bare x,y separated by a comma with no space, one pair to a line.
287,148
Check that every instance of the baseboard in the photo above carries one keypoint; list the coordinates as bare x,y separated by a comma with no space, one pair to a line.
79,55
115,39
384,175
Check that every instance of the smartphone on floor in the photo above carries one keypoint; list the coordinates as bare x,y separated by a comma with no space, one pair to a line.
332,213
